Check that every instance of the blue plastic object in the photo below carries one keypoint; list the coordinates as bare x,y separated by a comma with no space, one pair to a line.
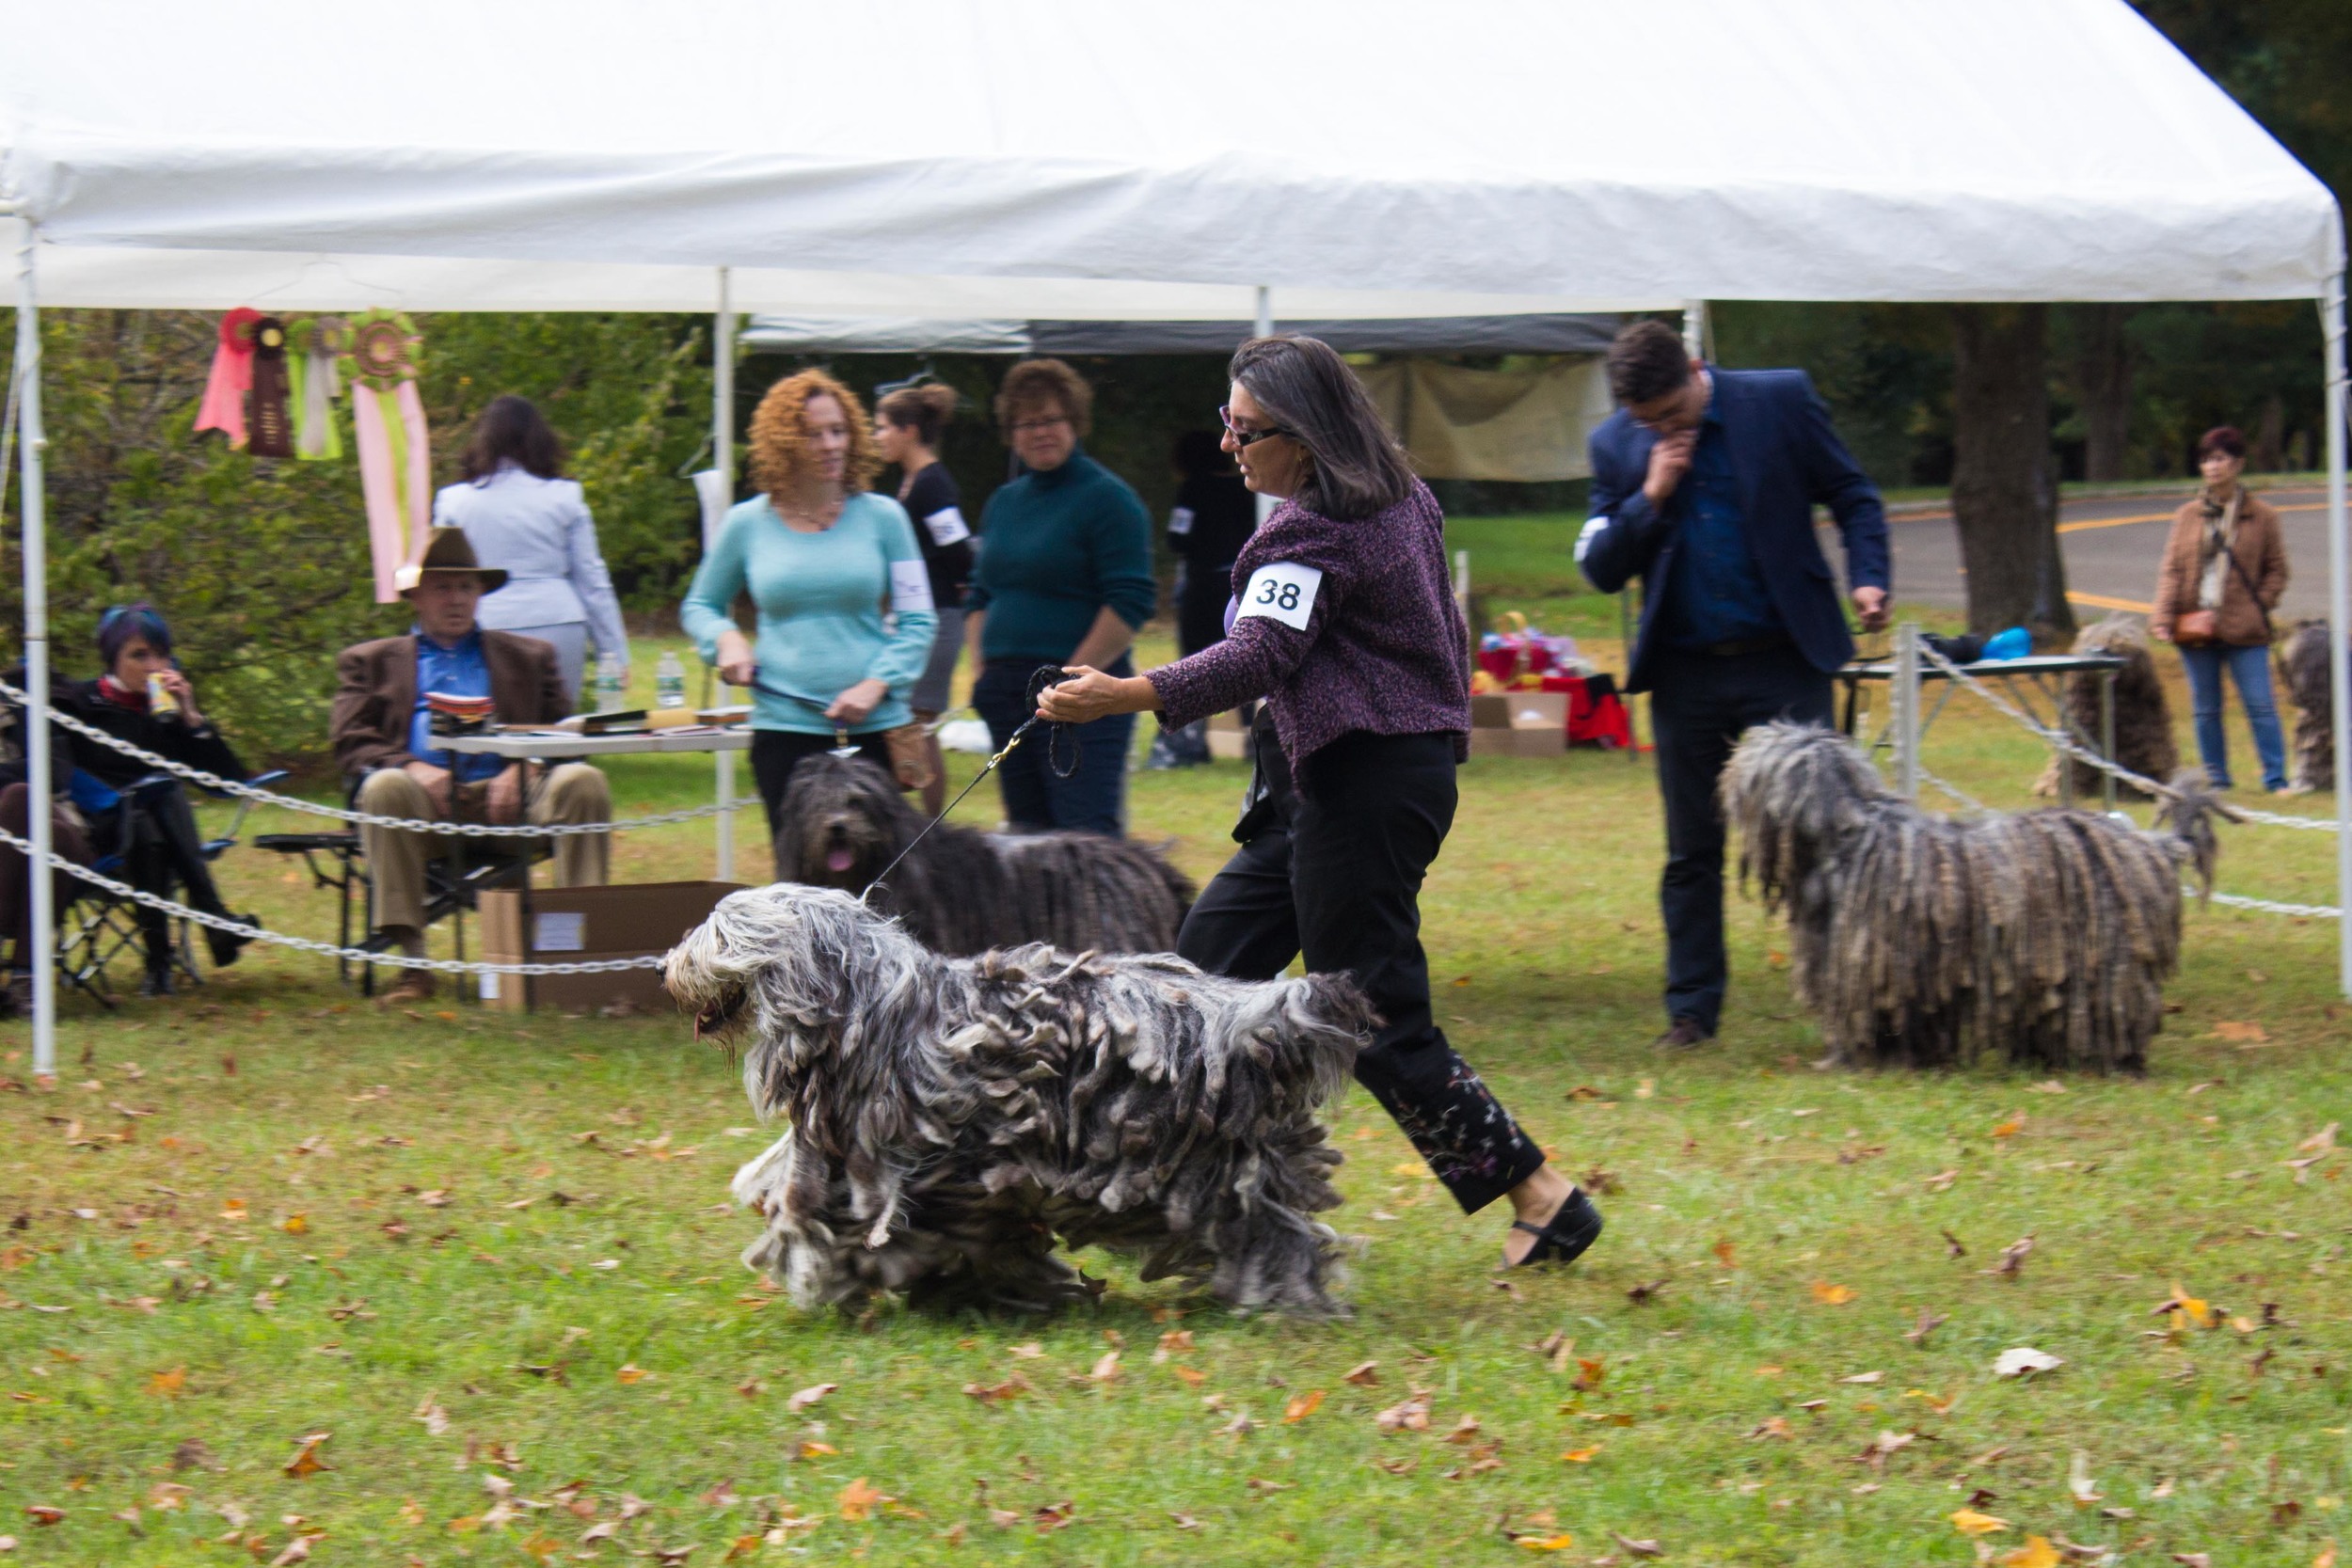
2013,643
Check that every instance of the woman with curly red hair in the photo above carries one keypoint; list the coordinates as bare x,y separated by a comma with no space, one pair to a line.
844,599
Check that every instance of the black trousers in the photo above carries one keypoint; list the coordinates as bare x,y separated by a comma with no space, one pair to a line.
1337,875
1700,705
166,849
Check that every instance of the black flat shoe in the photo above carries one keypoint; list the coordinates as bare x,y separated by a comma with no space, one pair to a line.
1565,1237
158,983
226,945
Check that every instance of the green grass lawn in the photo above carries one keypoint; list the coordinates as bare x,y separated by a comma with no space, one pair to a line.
491,1256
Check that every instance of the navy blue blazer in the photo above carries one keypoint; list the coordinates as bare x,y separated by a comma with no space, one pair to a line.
1786,457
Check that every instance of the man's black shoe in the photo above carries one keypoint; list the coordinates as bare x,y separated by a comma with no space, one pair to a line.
1687,1034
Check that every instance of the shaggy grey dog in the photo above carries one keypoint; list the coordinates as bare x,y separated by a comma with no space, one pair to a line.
1921,942
952,1118
2303,671
963,892
2143,716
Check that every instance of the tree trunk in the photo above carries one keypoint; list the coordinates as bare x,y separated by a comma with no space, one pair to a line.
2004,479
2267,453
2102,376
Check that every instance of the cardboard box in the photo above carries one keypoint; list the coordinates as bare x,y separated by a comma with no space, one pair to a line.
1518,743
1228,740
582,924
1522,710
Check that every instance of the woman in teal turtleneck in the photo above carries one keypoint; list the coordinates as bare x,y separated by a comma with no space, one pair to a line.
1064,578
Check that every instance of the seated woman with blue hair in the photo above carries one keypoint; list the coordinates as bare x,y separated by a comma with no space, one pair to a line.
145,699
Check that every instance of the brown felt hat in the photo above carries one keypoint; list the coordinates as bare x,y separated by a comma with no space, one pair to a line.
446,549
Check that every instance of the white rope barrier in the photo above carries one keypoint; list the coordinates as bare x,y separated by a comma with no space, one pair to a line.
360,819
326,949
2064,743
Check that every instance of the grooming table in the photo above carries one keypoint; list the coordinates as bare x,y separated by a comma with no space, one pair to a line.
2041,674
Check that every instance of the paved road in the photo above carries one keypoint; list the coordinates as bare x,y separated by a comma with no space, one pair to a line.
2112,548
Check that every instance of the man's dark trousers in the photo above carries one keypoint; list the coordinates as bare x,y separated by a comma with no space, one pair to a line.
1699,706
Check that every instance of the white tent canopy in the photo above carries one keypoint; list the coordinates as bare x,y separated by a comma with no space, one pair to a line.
1157,160
1577,154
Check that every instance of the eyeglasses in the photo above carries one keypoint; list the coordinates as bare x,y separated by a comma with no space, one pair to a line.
1243,437
1030,427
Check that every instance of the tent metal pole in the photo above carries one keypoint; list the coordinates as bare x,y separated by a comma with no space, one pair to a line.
1695,327
1266,329
722,458
31,443
2338,602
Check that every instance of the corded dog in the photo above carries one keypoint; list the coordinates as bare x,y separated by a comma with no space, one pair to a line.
951,1120
1921,942
961,892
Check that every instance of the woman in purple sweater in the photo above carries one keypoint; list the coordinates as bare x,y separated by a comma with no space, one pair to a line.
1346,625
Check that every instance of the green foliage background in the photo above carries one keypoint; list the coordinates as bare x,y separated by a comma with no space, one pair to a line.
262,564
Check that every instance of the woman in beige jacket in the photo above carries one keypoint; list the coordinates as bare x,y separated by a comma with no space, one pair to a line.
2224,569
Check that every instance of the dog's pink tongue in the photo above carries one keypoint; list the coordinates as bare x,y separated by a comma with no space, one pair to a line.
839,860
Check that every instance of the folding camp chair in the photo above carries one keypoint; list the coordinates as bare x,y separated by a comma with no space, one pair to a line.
98,926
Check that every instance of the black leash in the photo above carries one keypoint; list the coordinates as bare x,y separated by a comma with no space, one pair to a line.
1045,676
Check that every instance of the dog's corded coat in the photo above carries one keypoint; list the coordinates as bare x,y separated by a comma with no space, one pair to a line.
963,892
952,1118
1921,942
2303,670
2143,716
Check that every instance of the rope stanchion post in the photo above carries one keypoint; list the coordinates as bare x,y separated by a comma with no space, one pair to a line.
2339,587
1905,697
32,512
723,459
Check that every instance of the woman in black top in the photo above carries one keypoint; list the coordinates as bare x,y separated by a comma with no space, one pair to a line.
908,425
1214,516
165,848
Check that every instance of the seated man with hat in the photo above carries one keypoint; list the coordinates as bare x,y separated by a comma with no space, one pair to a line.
383,737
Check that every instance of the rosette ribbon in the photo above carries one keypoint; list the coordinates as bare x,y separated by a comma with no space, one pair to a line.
395,456
231,377
314,344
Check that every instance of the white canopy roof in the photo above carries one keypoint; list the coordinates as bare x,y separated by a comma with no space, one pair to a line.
1070,159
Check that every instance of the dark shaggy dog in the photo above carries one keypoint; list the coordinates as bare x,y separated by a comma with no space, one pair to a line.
965,892
952,1118
2143,717
2303,671
1922,942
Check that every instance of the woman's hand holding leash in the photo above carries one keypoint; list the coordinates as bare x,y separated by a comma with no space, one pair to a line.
1086,694
852,705
737,667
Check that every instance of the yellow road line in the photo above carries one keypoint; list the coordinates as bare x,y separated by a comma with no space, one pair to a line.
2097,522
2100,601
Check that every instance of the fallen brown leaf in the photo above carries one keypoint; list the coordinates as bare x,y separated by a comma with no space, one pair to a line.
809,1396
1364,1374
306,1460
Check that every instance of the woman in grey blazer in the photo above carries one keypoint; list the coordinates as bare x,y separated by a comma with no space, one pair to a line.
521,514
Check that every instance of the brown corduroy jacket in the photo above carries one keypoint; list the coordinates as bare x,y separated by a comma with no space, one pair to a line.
377,695
2261,550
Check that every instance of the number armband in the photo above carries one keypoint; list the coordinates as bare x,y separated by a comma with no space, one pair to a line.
1283,591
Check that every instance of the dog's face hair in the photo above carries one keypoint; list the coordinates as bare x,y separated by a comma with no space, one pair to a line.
1922,940
843,820
951,1117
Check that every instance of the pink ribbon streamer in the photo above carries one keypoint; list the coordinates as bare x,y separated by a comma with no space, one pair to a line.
399,504
231,377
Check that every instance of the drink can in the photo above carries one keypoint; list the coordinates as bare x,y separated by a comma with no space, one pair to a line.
160,702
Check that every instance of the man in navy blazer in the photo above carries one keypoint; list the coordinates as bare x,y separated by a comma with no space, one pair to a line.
1704,483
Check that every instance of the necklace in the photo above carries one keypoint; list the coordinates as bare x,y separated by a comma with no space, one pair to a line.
811,519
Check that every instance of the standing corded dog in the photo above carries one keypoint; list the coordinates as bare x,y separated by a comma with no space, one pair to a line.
1346,625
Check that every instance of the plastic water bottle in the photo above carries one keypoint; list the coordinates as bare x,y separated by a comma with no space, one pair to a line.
608,683
669,681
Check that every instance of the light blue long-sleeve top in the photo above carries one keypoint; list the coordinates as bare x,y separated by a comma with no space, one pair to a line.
821,600
540,531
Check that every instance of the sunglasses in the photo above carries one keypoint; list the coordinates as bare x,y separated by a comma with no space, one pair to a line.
1245,438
